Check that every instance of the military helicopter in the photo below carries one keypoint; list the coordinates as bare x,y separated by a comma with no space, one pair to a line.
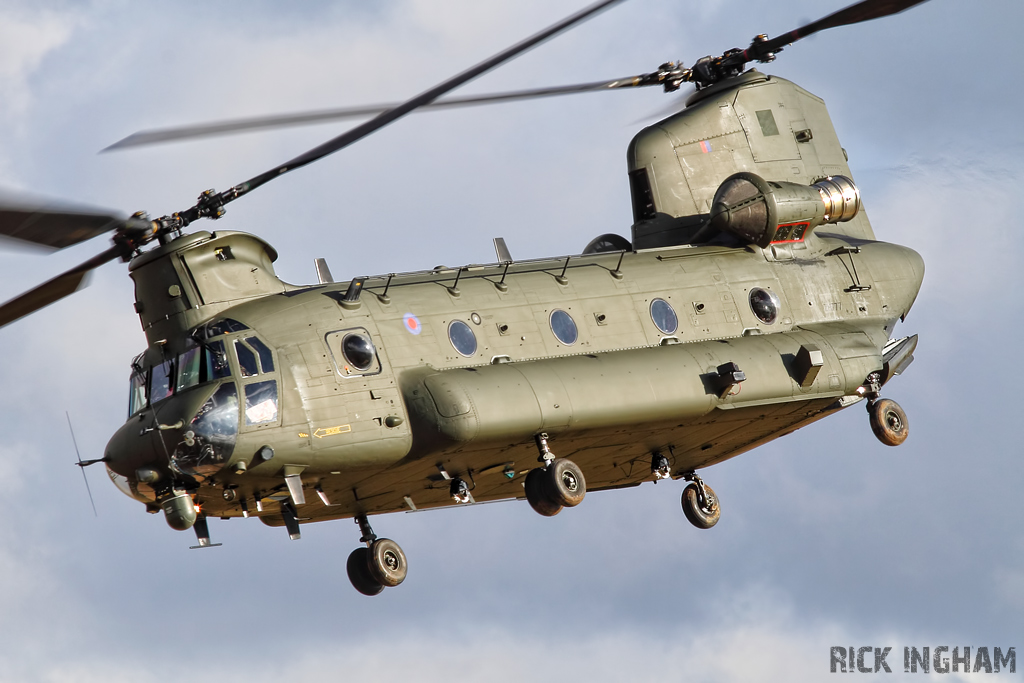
751,300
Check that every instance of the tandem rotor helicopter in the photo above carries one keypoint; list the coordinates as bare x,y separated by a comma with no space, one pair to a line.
751,300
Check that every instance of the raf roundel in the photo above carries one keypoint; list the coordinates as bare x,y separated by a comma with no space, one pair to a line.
412,323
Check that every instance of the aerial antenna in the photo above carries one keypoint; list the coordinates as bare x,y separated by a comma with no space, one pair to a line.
82,465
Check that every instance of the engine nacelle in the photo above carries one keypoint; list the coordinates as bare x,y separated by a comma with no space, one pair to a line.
761,212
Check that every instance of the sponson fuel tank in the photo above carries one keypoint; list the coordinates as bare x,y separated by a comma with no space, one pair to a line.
640,386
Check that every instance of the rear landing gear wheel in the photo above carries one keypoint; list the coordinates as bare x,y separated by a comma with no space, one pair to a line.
702,514
358,567
564,482
537,495
386,562
888,421
559,483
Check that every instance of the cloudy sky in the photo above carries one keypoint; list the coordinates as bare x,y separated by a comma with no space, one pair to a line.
827,537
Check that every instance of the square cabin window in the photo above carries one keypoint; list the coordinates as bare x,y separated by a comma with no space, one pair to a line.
260,403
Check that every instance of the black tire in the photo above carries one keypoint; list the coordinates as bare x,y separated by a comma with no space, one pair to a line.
700,517
387,562
358,568
537,495
565,483
889,422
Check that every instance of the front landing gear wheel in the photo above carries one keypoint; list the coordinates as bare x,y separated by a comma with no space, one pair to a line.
386,562
702,515
888,422
564,482
537,495
358,567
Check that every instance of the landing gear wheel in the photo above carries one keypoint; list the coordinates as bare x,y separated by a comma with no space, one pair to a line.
386,562
888,422
701,516
358,567
564,482
537,495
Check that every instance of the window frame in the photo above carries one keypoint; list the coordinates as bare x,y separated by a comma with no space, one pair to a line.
575,327
472,334
773,299
672,310
334,339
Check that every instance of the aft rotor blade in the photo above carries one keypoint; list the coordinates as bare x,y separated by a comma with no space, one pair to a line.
391,115
854,14
56,289
54,228
162,135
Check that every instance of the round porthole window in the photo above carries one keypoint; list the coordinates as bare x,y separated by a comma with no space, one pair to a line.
462,338
664,316
563,327
358,350
764,304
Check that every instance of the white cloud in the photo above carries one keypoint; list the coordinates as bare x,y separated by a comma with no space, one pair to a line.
1009,584
752,637
27,37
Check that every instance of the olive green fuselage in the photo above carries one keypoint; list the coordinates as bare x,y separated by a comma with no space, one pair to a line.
623,390
389,436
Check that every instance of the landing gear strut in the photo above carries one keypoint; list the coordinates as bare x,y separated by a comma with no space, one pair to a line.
380,564
700,504
559,483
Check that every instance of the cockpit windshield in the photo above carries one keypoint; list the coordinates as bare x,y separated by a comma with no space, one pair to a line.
162,384
215,362
197,365
137,393
188,369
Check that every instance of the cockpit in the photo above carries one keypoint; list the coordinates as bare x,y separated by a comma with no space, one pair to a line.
222,356
206,359
195,366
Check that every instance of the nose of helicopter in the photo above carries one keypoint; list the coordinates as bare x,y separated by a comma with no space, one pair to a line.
191,433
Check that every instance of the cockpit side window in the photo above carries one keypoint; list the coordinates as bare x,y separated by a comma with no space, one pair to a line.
162,381
266,358
188,369
246,360
260,402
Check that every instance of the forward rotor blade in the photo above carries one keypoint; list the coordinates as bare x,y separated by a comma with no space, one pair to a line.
162,135
54,228
56,289
81,465
391,115
854,14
